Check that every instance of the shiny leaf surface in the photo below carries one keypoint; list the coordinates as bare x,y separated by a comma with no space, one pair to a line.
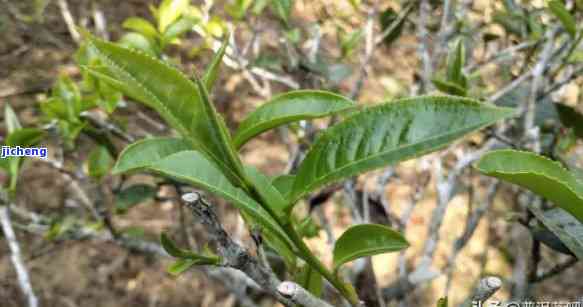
194,168
366,240
564,226
182,103
146,152
212,72
290,107
389,133
541,175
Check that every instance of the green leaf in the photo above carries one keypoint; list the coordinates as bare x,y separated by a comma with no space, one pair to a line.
178,28
366,240
24,137
310,280
564,226
268,193
442,302
541,175
570,118
99,162
139,42
307,228
284,184
282,9
12,122
389,133
141,26
212,72
169,11
181,265
69,93
238,8
393,23
455,65
182,103
193,168
133,195
147,152
171,248
560,11
349,42
290,107
449,87
174,251
545,109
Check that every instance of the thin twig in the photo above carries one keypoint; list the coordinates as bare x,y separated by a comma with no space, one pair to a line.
557,269
15,254
69,21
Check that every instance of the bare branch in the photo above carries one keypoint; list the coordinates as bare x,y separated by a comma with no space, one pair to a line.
423,49
69,21
486,288
15,254
233,254
299,295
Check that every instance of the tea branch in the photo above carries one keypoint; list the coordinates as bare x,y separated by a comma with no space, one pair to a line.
237,257
299,295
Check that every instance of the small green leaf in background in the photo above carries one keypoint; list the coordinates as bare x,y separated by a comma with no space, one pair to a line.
212,72
181,265
310,280
455,82
539,174
545,108
133,195
24,137
238,8
349,41
12,122
173,250
293,35
366,240
215,27
290,107
455,64
138,42
390,18
141,26
442,302
186,258
176,29
564,226
560,11
282,9
169,11
99,162
570,118
549,238
448,87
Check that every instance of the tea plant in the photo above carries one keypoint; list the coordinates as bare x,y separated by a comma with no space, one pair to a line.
280,212
206,155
